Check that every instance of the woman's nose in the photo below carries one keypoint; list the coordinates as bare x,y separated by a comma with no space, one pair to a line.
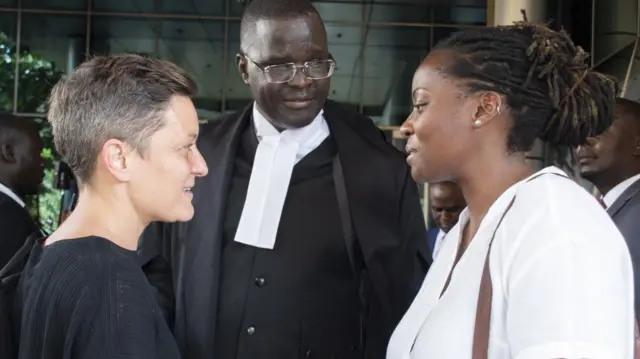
406,129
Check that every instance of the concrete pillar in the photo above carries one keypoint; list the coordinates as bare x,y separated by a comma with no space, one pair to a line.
506,12
75,52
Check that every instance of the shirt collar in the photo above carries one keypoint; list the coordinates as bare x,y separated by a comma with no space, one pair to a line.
264,128
618,190
7,191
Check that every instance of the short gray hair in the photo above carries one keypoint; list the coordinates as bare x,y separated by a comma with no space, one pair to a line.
122,97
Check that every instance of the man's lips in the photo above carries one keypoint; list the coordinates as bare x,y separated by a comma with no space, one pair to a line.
585,159
298,103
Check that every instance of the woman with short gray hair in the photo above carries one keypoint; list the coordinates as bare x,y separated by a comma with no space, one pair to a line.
127,127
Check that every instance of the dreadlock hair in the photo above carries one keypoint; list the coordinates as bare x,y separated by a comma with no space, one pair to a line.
550,90
272,9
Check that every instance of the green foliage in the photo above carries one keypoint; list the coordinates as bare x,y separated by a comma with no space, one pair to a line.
36,77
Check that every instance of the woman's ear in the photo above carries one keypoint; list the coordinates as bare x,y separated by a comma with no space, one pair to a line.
489,107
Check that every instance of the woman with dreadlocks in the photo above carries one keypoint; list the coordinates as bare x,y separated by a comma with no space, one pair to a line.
534,268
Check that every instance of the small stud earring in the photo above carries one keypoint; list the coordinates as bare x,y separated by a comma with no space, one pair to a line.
477,123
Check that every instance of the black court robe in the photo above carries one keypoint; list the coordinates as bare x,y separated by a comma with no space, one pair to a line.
16,225
182,260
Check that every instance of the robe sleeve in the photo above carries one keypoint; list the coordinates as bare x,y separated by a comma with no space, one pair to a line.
404,268
412,221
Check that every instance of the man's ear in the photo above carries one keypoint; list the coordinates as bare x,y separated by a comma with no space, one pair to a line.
7,152
636,149
241,64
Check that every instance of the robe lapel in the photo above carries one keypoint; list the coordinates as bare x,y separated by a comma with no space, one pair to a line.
365,172
624,198
200,279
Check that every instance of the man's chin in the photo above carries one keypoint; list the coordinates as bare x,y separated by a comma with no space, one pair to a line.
299,116
294,120
587,172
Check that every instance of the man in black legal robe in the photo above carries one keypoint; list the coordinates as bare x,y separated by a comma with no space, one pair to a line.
21,173
344,266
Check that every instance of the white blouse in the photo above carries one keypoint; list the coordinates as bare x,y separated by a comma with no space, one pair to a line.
561,275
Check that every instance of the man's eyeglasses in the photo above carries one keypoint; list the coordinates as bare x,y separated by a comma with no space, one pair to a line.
282,73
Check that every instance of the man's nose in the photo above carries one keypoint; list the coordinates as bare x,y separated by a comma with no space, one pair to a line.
300,79
590,142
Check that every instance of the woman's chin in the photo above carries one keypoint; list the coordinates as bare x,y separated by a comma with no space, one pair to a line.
183,214
417,175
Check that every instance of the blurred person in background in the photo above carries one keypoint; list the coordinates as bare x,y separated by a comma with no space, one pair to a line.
446,202
21,174
611,161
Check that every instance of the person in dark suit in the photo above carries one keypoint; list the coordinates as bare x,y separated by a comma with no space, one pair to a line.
21,173
611,162
308,238
446,202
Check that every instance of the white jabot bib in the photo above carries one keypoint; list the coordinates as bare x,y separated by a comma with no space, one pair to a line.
4,189
275,157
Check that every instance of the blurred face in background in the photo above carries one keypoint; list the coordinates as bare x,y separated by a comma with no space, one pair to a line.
613,156
446,202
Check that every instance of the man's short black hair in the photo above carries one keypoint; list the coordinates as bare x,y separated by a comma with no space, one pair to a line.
13,128
631,109
272,9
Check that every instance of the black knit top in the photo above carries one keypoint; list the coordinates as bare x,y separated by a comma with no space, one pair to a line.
88,298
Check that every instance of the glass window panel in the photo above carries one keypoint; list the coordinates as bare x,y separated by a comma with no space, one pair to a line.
345,46
392,55
459,15
471,3
49,45
476,3
399,13
441,33
7,64
331,12
236,8
9,3
196,45
190,7
237,93
55,4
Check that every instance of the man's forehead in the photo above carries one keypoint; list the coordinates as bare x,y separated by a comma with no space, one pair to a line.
282,28
446,192
19,130
281,37
442,189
